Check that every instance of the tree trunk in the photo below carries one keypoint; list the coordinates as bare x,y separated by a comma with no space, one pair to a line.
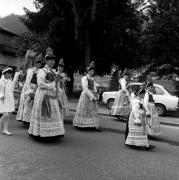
87,48
70,83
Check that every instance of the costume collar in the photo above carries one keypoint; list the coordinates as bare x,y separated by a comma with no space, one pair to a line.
4,79
88,76
47,68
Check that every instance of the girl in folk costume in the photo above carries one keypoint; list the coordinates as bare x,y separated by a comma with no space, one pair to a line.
137,135
7,103
86,114
47,117
28,91
153,123
132,96
121,106
62,82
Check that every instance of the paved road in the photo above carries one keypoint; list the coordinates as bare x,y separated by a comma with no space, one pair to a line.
87,155
171,118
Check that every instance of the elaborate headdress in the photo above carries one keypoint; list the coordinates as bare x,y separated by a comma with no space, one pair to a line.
21,67
30,54
91,66
61,63
29,58
149,84
49,54
7,70
125,72
39,59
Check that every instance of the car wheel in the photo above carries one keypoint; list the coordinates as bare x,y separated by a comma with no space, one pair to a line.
160,109
110,103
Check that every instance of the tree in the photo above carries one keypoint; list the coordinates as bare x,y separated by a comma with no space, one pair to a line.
160,40
26,41
103,31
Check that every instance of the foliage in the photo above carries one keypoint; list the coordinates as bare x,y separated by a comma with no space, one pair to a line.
103,31
160,40
27,41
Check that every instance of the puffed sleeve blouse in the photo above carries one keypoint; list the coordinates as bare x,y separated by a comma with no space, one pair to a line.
84,81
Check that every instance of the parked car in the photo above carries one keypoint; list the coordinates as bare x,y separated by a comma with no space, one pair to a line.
164,101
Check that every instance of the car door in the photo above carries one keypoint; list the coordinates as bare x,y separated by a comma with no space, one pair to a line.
161,97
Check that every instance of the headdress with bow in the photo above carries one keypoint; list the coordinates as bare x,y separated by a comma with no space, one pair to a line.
61,63
91,66
49,54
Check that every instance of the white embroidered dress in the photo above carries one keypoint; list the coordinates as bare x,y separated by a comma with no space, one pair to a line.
86,114
47,116
7,102
153,123
64,98
137,135
23,110
121,105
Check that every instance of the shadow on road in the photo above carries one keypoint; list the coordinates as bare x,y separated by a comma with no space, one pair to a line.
119,131
172,114
48,140
159,139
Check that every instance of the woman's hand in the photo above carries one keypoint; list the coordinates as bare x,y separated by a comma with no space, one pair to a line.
54,89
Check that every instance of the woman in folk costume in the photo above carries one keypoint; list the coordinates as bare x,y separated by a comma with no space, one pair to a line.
18,82
29,56
47,116
121,106
29,88
30,93
153,123
18,78
7,102
62,82
137,136
86,114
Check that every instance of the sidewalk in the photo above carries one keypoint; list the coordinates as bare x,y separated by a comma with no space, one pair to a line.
172,119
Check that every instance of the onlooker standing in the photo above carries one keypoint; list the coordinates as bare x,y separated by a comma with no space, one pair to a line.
7,103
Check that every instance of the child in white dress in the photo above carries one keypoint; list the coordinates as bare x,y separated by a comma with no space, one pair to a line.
7,102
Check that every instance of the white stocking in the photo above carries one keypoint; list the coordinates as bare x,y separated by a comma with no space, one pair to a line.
5,121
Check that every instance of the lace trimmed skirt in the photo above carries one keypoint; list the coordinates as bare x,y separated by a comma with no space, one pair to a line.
86,114
137,135
121,106
153,123
47,116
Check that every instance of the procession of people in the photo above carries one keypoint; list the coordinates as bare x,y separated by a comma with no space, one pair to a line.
43,103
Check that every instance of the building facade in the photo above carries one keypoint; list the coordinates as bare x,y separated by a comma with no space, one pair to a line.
7,51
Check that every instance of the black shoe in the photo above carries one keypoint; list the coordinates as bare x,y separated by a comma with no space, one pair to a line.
150,147
26,123
98,129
